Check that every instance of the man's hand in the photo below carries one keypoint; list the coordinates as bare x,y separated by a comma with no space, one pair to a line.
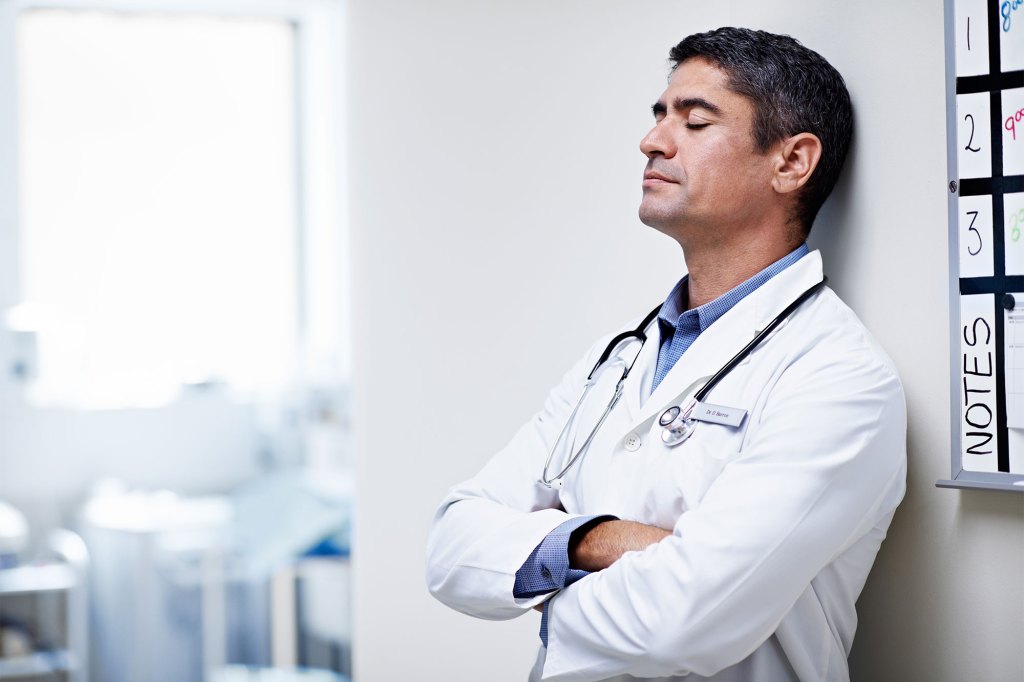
594,548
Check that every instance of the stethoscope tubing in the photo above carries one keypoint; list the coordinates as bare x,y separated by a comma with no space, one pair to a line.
684,416
747,349
638,334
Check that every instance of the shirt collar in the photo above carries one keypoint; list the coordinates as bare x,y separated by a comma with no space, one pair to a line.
673,311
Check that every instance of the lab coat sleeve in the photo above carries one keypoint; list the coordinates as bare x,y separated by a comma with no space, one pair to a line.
828,453
487,527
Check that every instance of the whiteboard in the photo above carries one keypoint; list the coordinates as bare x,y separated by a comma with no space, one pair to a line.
985,154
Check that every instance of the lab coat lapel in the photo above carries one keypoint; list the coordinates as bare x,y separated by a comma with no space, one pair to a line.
720,342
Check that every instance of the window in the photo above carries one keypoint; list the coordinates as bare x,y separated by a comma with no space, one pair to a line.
159,203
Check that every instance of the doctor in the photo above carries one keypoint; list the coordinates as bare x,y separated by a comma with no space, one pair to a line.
710,502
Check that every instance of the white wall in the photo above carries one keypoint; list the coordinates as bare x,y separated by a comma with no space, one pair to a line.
494,182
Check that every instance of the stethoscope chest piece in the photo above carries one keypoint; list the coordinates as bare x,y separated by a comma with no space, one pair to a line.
676,427
676,424
669,415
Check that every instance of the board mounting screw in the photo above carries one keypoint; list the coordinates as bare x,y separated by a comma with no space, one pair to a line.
952,186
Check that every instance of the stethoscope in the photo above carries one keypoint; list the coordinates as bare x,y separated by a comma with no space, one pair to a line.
677,421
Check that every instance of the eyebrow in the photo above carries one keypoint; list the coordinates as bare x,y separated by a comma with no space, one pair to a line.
681,103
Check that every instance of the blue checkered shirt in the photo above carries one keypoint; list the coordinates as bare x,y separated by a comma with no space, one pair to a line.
681,327
547,568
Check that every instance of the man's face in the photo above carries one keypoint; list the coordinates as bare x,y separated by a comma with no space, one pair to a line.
704,180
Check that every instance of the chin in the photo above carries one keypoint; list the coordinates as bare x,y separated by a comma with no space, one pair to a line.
666,227
659,220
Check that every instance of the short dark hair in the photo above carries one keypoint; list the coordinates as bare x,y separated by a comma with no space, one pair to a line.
793,89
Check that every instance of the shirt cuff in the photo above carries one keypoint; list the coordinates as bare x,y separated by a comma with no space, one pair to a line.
547,567
544,624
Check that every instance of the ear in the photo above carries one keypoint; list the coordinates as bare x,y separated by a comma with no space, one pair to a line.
796,159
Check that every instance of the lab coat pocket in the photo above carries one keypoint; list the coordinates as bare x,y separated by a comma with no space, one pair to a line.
674,478
681,476
723,445
712,465
662,494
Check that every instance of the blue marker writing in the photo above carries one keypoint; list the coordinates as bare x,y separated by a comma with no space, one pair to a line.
1005,9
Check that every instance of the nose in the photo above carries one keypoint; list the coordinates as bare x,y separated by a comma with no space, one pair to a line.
658,142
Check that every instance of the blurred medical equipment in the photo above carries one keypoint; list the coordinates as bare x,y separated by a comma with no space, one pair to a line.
238,673
43,604
13,534
185,588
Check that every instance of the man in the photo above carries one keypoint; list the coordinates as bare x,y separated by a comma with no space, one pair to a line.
722,533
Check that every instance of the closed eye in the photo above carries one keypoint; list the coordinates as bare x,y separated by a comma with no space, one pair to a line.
697,126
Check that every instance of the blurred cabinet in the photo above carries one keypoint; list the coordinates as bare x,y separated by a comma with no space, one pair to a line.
44,615
185,587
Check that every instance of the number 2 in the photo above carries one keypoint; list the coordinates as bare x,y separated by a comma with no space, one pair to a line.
968,147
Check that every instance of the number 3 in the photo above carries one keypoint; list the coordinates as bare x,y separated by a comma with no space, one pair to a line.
972,228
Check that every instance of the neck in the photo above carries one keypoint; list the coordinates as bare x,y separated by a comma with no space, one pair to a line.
716,269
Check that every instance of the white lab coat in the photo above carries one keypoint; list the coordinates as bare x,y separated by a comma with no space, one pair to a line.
775,523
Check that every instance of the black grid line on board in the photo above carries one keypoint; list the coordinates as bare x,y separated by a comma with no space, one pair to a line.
965,85
970,286
996,185
1006,184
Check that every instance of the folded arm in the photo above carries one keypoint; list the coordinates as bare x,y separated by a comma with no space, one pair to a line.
575,549
487,528
600,545
828,453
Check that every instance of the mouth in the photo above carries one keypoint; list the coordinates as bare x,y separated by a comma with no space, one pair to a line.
652,178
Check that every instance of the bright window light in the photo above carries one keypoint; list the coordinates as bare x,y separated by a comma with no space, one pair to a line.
157,204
